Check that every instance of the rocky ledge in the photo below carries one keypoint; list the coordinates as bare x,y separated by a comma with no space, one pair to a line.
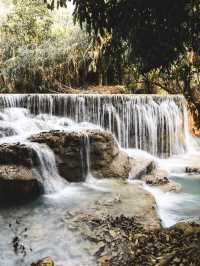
77,153
18,183
88,150
18,178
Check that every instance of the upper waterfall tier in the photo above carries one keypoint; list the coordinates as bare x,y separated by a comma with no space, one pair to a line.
157,124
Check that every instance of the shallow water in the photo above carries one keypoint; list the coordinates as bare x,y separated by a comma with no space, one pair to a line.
178,206
47,229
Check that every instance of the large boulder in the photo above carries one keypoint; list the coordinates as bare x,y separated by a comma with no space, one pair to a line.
18,183
106,158
79,151
18,154
18,178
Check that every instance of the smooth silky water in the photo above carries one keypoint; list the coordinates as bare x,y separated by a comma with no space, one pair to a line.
156,125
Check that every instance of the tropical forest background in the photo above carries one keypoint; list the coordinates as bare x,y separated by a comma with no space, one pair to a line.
121,46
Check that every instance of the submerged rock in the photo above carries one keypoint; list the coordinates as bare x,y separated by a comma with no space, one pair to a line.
78,152
6,132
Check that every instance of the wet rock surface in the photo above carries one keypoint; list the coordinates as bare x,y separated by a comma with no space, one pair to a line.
75,149
156,177
17,154
192,170
120,198
160,178
19,183
123,241
18,179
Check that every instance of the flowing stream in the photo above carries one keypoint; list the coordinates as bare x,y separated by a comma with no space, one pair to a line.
157,125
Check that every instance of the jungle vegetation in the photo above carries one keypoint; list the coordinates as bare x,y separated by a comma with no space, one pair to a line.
146,46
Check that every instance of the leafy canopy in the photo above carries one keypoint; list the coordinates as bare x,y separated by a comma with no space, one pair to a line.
154,32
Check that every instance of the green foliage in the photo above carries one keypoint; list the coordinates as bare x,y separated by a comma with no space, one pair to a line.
29,23
39,54
155,32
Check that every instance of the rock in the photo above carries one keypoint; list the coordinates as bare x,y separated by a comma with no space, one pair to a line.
159,178
106,158
6,132
192,170
18,154
18,183
187,228
171,186
156,177
18,179
44,262
74,149
141,167
122,198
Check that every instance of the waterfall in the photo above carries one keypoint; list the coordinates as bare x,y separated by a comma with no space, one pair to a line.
156,124
85,155
47,168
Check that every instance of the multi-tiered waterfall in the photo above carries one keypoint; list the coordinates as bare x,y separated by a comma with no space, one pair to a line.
157,124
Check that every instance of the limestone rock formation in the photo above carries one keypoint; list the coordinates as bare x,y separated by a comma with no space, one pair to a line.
17,154
18,179
76,151
18,183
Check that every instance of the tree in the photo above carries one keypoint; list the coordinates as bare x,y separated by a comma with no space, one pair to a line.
155,32
38,53
29,22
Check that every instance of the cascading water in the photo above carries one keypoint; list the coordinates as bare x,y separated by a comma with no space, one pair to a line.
85,155
157,124
47,168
